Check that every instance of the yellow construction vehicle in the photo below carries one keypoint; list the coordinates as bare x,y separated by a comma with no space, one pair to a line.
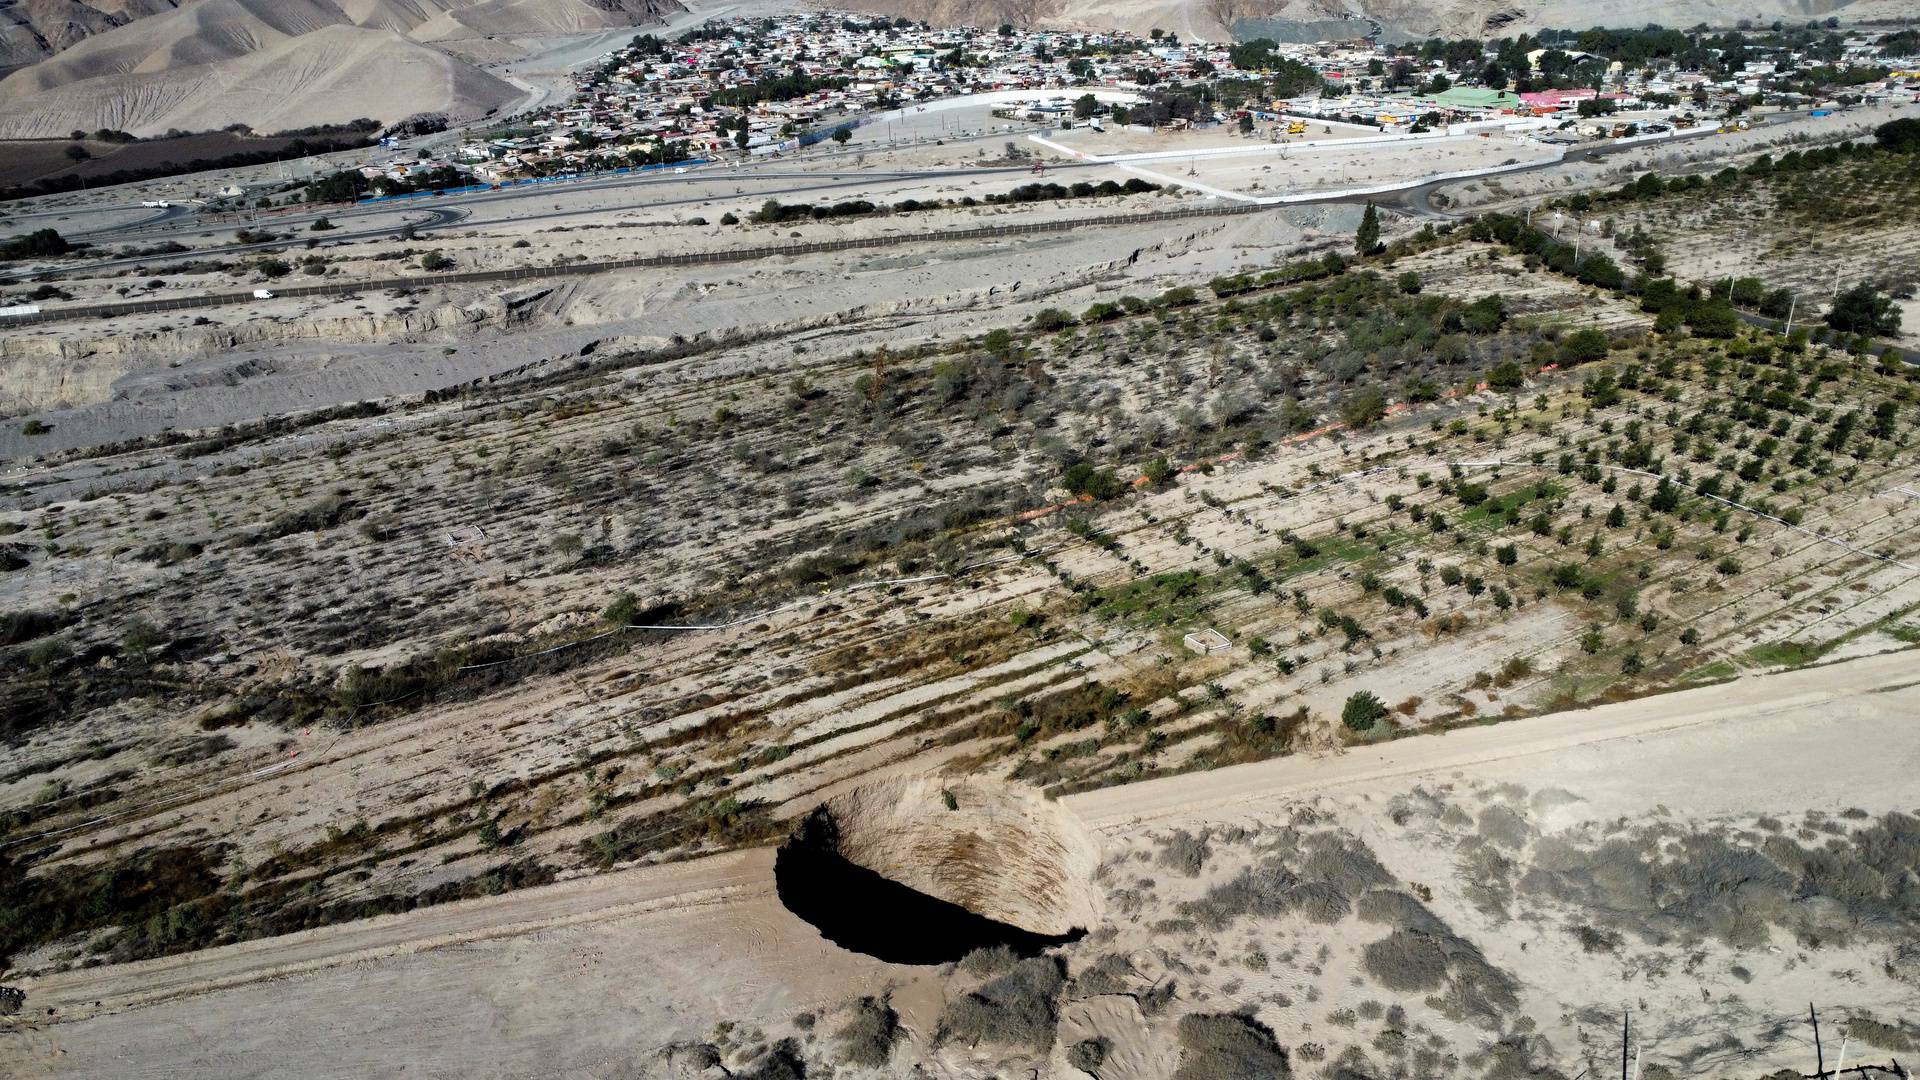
1298,127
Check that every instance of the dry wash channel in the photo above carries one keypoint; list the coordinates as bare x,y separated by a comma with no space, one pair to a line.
913,872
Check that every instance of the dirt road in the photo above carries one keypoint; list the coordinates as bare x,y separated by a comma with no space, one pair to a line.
1809,693
583,976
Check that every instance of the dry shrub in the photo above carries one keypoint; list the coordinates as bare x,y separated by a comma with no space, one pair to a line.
869,1034
1405,960
1594,940
1016,1009
1225,1046
782,1062
1111,974
1899,1036
1087,1054
1423,953
1184,853
1332,869
1504,826
1903,963
1516,1057
992,960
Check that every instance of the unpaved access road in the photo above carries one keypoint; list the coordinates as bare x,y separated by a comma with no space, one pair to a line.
571,978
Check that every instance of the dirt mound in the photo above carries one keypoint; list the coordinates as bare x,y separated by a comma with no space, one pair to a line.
913,871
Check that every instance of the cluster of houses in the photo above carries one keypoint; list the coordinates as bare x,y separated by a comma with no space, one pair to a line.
746,87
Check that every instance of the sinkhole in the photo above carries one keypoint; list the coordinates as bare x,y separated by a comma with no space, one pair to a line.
924,871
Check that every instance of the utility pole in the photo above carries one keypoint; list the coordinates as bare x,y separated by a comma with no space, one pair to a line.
1792,302
1819,1057
1626,1025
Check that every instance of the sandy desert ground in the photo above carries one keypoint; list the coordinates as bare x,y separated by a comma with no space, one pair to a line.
607,977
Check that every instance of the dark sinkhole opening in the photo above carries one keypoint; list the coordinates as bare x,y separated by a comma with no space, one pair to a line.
866,912
924,870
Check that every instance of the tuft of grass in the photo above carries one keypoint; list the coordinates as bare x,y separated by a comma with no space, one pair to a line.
1783,654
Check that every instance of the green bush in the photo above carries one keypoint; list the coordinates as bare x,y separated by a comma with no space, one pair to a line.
37,242
1583,346
1362,711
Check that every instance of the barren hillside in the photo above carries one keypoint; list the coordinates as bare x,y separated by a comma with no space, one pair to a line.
32,30
277,64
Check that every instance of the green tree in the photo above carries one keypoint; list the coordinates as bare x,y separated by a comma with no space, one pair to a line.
1593,640
1583,345
1159,471
1665,497
37,242
1049,320
1900,136
1485,315
1864,310
1713,320
842,134
1084,479
1363,407
1368,236
1506,375
1362,711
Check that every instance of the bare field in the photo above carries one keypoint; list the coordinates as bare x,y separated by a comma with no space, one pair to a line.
1119,141
412,680
557,608
1297,171
1419,822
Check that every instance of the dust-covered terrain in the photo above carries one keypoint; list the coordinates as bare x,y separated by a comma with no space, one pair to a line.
1494,903
1080,650
279,65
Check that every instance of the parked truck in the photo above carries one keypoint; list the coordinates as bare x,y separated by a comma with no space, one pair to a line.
263,294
